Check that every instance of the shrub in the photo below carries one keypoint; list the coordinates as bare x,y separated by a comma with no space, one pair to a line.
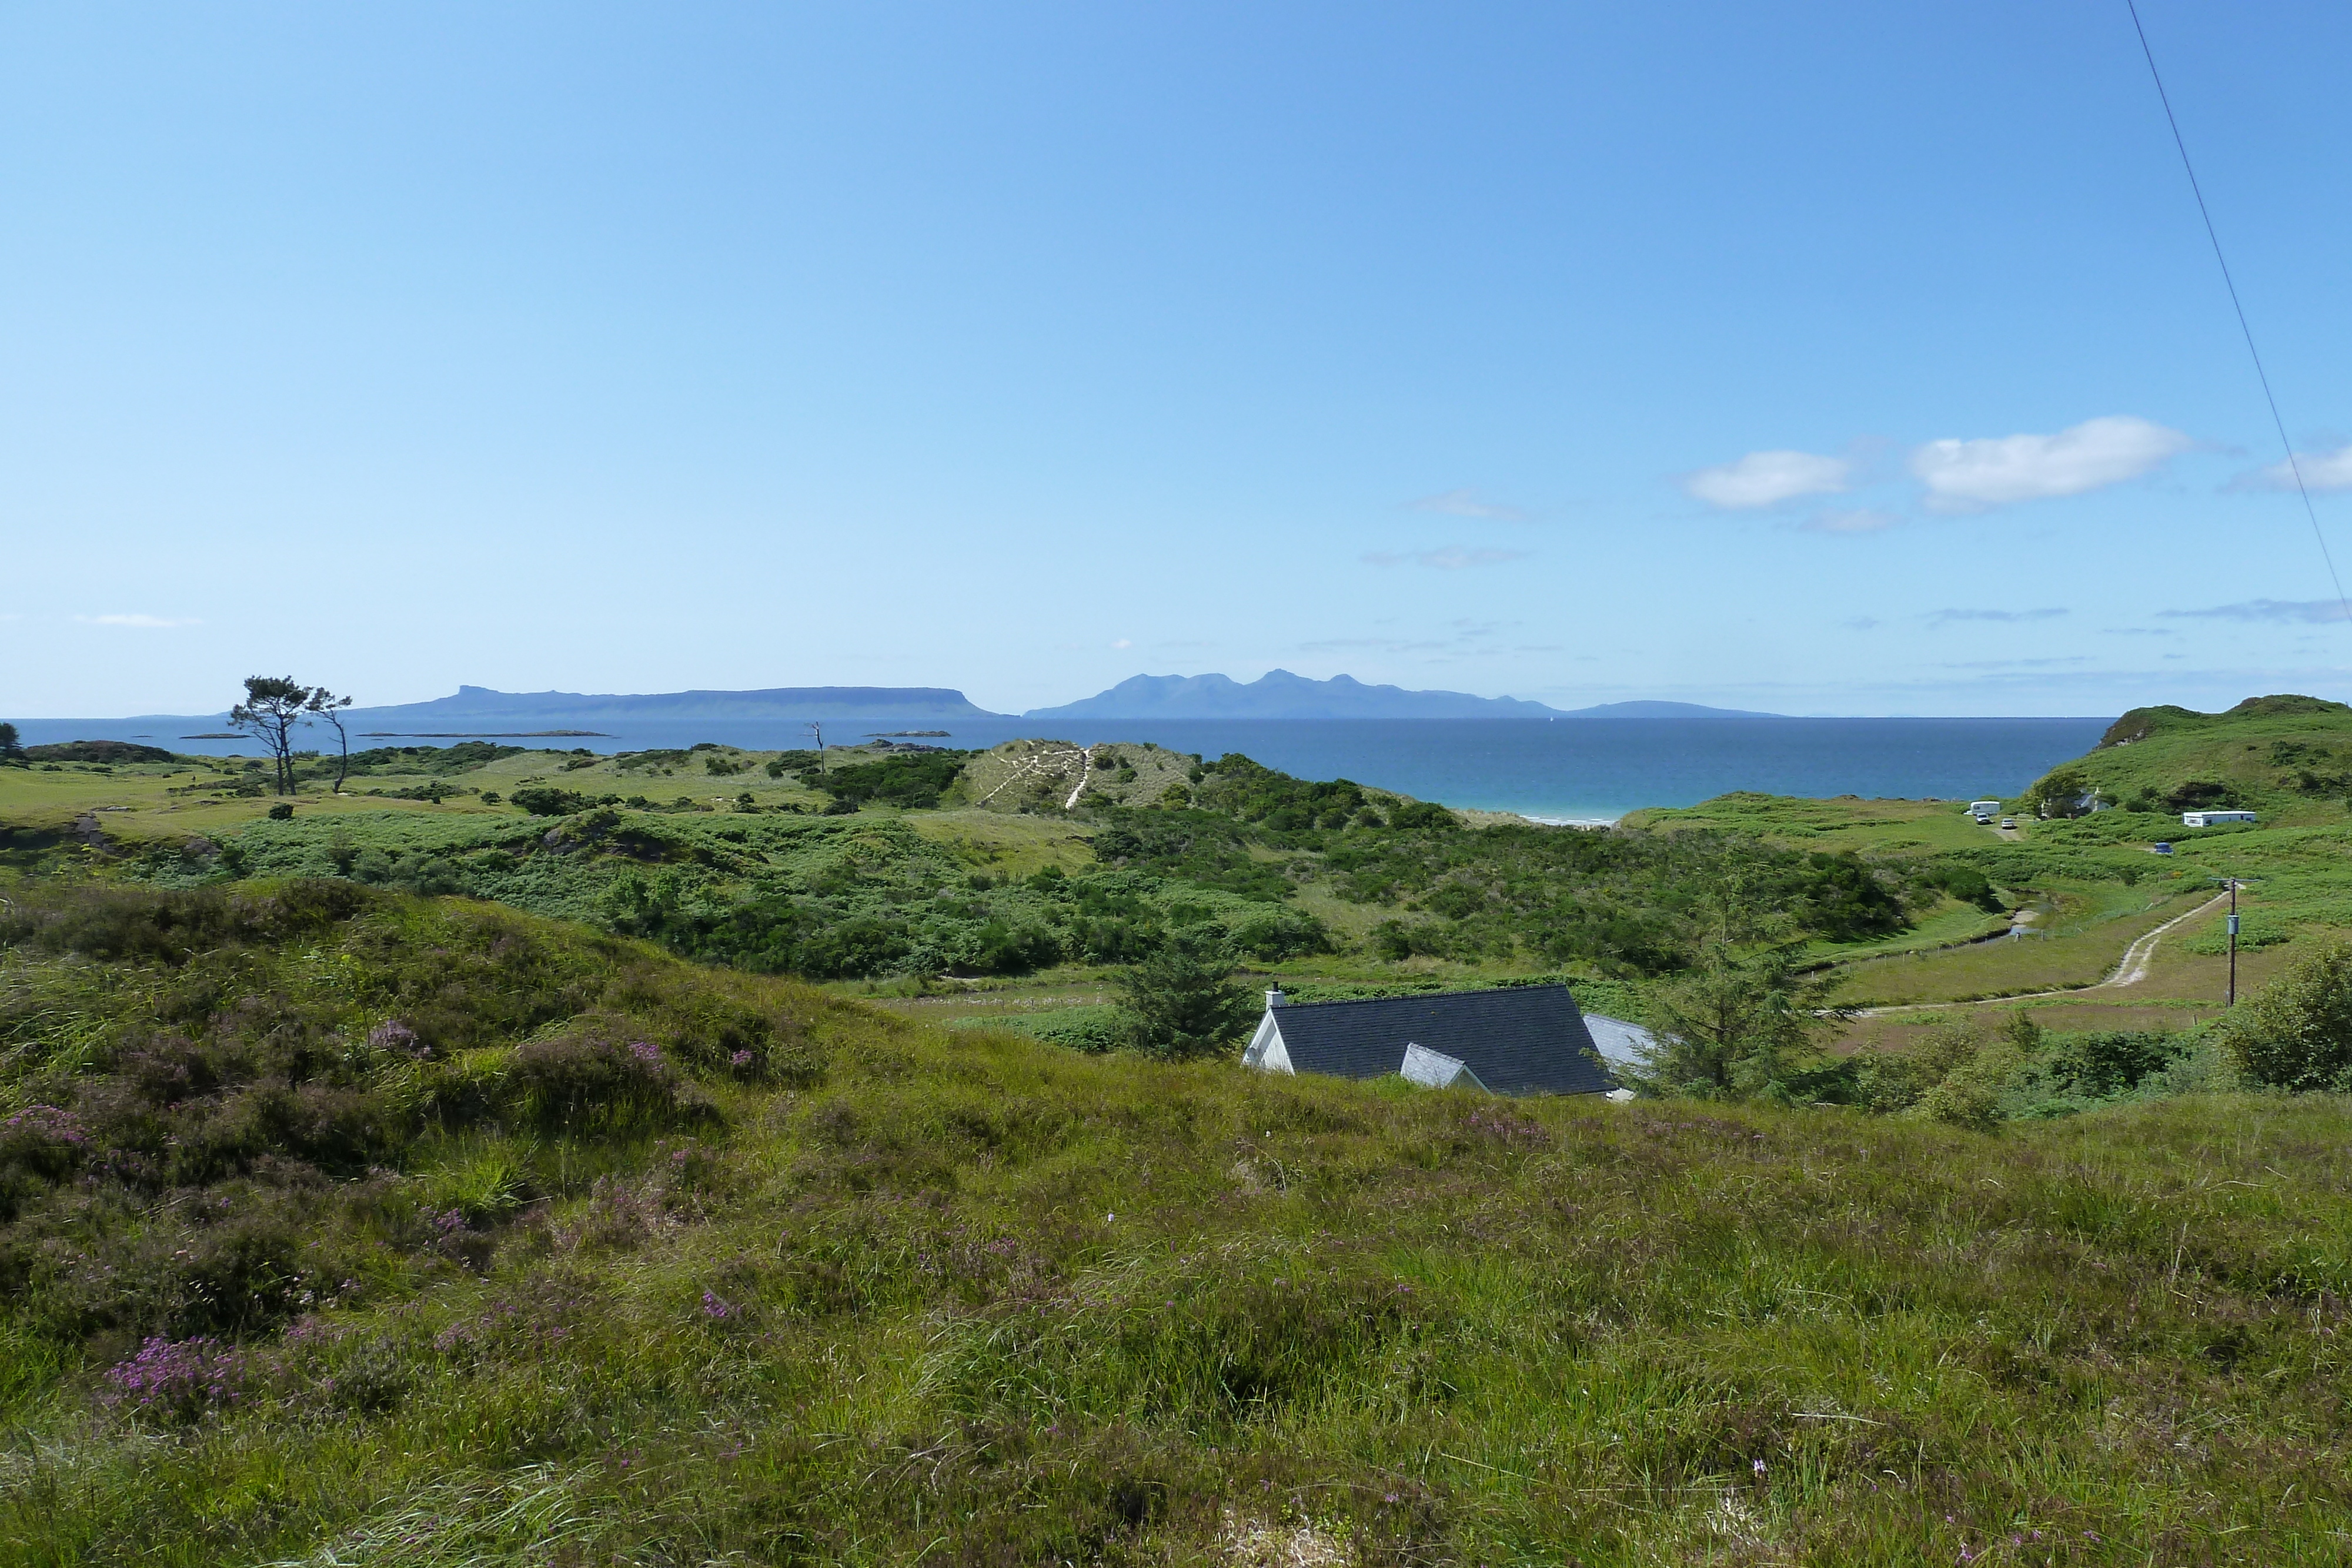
1278,934
546,800
2296,1033
909,782
282,811
178,1378
596,1081
172,925
1181,1003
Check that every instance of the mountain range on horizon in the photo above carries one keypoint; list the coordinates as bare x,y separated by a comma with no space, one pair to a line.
1276,694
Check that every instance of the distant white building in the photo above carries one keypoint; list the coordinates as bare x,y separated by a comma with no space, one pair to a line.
2214,819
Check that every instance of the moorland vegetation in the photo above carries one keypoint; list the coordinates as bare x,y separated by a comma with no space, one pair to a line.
347,1226
469,1156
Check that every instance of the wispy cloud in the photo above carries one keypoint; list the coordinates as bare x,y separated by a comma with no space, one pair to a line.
1862,622
1946,617
1857,520
150,622
1468,504
1122,643
1972,476
1769,479
1450,558
2051,664
2321,471
1376,646
2286,611
1462,638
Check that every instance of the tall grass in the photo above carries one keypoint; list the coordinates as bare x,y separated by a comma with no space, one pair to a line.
963,1297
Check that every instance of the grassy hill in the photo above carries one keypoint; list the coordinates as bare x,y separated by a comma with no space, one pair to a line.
2289,758
344,1225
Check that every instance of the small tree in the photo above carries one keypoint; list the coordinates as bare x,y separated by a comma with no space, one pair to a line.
1181,1002
330,706
1734,1028
2296,1033
12,749
273,705
2059,792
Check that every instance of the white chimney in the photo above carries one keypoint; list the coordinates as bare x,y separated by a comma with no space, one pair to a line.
1273,999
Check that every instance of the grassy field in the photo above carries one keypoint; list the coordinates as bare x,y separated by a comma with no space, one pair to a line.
959,887
1846,822
894,1293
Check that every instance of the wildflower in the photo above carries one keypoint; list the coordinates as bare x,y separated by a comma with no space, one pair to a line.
717,1307
646,1051
1759,1466
181,1377
741,1059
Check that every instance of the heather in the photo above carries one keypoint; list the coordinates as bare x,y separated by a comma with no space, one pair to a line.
346,1226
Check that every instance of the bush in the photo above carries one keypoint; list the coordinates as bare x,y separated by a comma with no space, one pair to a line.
909,782
2297,1032
1181,1003
546,800
598,1081
1424,814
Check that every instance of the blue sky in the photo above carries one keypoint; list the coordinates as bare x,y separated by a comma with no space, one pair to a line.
1819,358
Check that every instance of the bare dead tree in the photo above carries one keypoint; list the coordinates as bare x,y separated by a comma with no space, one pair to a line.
330,706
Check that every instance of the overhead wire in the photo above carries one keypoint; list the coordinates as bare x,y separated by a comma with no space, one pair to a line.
2294,466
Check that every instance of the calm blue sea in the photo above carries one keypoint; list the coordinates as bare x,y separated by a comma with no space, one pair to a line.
1558,769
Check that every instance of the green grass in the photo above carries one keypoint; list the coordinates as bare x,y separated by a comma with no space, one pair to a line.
1846,822
2289,758
961,1297
2079,946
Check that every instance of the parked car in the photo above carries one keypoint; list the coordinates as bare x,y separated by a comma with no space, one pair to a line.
2164,849
2008,821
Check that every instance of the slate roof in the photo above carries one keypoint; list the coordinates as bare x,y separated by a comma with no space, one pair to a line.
1524,1040
1620,1043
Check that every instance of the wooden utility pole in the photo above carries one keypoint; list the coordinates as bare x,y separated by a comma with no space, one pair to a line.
2234,942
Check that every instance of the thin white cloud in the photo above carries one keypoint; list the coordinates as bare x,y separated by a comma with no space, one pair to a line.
1970,475
1945,617
1853,520
1468,504
1769,479
2272,609
2321,471
1450,558
1123,642
148,621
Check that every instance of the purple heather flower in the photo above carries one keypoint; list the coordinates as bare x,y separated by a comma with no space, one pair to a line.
645,1051
716,1306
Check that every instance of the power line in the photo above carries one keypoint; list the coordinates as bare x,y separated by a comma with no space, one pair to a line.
2293,467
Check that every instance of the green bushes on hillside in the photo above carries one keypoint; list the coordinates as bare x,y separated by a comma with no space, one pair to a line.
909,782
212,1148
2296,1032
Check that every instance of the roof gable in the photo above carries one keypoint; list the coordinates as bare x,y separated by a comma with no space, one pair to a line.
1523,1039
